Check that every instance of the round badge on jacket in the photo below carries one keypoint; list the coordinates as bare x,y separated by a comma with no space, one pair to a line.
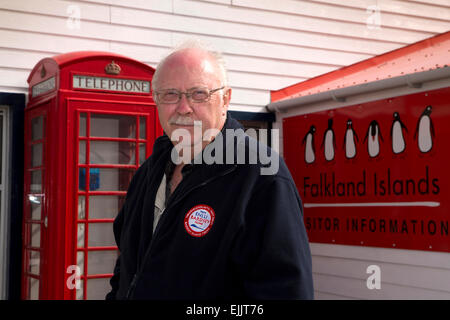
199,220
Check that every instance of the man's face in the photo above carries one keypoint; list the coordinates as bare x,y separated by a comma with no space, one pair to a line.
184,70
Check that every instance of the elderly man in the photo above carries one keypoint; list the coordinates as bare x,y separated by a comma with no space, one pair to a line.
196,230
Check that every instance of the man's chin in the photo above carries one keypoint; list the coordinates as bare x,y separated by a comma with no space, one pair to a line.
186,134
188,143
181,130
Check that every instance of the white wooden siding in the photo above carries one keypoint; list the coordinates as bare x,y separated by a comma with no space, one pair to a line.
340,273
267,45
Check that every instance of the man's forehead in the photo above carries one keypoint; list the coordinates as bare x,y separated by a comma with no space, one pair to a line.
192,59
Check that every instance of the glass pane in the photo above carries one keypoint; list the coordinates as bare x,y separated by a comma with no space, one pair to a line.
82,179
35,207
35,235
80,261
142,128
106,179
36,155
33,262
101,235
36,181
142,155
97,288
110,179
94,179
105,207
101,262
114,126
80,237
80,295
81,207
83,117
37,128
112,152
33,288
82,152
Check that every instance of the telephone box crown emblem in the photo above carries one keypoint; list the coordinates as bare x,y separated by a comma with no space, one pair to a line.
112,68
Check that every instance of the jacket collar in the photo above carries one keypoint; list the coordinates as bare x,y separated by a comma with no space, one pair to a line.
163,148
163,145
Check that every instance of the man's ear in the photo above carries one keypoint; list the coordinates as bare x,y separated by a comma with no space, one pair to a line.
227,97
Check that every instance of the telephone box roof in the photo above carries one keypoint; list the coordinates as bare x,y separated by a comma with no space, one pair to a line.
66,59
428,54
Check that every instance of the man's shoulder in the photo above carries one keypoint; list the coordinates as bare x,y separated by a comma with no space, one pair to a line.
161,143
160,146
256,155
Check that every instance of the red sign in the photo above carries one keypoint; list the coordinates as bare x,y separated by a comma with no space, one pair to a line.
375,174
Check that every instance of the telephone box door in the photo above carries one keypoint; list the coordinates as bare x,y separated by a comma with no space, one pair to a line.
35,206
112,141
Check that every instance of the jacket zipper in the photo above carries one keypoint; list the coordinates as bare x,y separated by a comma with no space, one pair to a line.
140,268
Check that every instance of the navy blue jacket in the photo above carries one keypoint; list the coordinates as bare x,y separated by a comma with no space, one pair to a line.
256,247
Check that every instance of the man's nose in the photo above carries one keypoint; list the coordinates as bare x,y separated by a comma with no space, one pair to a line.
183,106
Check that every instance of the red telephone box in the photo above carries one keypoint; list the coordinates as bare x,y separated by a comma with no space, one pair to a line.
89,124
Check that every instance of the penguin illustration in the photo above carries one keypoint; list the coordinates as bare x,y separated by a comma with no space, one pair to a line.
309,147
349,140
425,131
374,135
398,141
329,141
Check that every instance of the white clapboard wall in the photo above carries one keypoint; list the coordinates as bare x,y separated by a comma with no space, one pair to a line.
268,45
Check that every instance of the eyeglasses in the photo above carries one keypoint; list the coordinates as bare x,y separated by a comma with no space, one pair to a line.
197,95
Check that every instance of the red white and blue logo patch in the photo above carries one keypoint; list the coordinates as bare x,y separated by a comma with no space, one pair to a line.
199,220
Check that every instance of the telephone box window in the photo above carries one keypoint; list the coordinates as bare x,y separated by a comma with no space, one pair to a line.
80,261
82,152
142,128
36,181
37,128
100,235
101,261
82,123
35,219
96,288
108,146
81,207
142,156
35,235
112,152
33,293
34,262
105,207
81,235
35,207
106,179
80,291
113,126
36,155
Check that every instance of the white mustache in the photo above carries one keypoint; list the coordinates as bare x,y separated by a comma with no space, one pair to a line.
184,121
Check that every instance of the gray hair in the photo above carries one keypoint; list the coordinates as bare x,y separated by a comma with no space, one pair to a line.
194,44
